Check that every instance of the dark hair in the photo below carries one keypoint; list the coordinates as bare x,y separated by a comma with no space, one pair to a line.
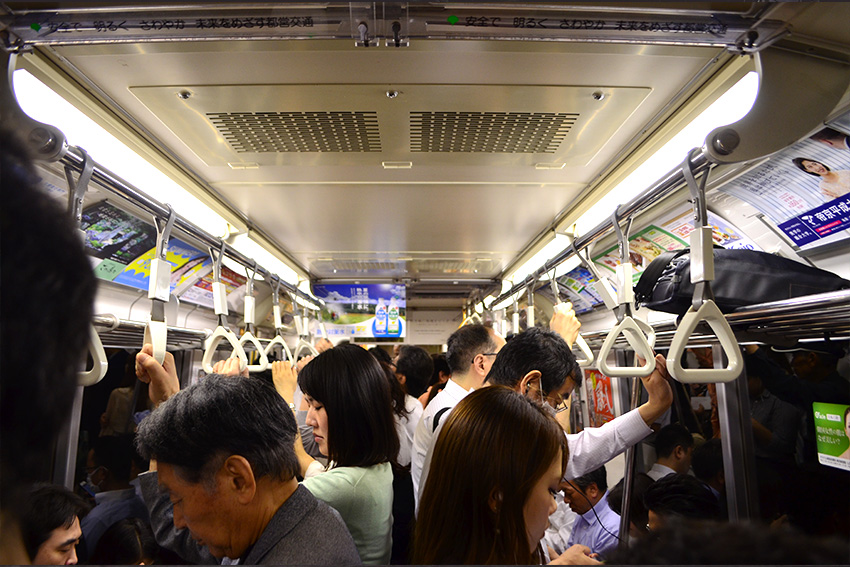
436,389
381,355
48,304
671,436
798,161
353,388
599,477
638,514
535,349
399,396
441,365
683,496
48,507
465,343
494,441
715,543
115,453
198,427
126,542
416,365
707,461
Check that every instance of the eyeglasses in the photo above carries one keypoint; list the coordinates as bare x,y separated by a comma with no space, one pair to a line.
485,354
559,405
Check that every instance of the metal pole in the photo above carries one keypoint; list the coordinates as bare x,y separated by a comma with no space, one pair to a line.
736,436
65,459
631,457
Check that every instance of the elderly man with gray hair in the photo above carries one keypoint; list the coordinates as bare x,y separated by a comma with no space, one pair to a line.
223,454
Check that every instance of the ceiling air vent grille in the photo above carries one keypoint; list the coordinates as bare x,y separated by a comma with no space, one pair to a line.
489,132
280,132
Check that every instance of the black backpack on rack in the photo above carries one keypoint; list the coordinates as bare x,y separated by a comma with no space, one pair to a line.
742,277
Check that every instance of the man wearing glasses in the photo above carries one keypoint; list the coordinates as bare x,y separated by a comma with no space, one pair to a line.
470,354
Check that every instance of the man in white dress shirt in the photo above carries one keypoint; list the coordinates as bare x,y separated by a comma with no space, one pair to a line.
674,447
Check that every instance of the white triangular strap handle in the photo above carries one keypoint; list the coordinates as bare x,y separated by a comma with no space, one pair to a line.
303,345
585,350
212,343
248,337
99,362
156,334
641,337
710,313
278,340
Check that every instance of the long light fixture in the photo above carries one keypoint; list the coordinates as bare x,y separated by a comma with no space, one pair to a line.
729,108
45,105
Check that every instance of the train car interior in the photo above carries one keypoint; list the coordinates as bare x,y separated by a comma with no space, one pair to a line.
254,177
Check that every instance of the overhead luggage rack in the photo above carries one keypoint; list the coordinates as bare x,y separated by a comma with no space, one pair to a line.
810,317
122,333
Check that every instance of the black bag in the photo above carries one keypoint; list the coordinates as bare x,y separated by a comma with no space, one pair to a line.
742,277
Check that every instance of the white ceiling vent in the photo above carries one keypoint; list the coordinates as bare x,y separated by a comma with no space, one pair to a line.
489,132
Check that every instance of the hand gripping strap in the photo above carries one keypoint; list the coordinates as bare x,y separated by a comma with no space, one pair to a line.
641,337
156,334
219,334
710,313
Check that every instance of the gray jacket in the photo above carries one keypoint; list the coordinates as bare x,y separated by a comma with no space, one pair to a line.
303,531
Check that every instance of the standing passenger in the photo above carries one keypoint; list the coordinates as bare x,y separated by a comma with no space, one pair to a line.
51,525
350,411
222,452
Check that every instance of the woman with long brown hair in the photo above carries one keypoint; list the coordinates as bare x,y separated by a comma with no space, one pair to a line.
497,465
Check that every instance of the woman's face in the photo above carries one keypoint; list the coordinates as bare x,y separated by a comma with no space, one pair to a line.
317,418
814,167
847,425
541,503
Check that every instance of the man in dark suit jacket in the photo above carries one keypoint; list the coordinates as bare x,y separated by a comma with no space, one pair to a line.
224,487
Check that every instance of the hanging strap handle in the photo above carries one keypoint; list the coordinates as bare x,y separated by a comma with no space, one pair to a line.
278,324
580,342
639,335
703,308
159,288
222,332
76,193
248,336
303,330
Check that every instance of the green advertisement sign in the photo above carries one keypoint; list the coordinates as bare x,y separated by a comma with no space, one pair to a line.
832,426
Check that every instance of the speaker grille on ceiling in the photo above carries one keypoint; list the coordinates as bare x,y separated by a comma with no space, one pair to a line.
260,132
489,132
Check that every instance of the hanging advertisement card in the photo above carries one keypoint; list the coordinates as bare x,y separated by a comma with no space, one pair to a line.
600,397
832,428
363,310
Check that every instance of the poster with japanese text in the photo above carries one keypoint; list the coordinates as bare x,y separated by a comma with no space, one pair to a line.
186,261
804,189
363,310
832,430
600,396
114,238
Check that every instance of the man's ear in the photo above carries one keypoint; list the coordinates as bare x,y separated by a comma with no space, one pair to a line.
531,379
237,476
592,491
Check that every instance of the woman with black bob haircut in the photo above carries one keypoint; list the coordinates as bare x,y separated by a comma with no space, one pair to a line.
351,413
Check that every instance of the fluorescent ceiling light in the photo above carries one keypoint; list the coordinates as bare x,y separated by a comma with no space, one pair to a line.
733,105
44,105
549,251
245,244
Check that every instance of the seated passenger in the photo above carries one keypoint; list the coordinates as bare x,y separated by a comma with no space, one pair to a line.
222,451
50,525
638,516
497,464
127,542
350,411
108,466
598,526
674,448
679,496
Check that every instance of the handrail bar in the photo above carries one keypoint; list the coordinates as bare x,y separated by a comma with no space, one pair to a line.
115,184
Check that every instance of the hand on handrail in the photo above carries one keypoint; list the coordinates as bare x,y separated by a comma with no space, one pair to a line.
248,337
565,323
217,336
161,377
230,367
660,393
285,380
